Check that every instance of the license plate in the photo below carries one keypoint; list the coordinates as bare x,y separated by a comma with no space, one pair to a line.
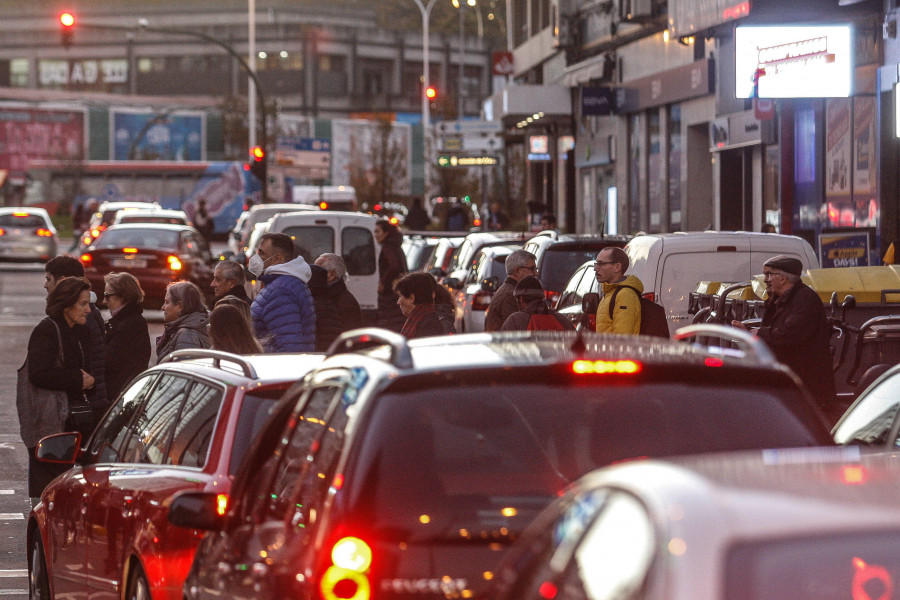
129,263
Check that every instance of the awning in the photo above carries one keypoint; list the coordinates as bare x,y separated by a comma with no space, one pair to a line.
516,102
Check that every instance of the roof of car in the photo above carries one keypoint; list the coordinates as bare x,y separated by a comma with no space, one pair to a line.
112,205
154,226
261,368
756,494
173,212
32,210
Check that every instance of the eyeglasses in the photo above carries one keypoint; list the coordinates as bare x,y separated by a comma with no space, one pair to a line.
105,295
600,263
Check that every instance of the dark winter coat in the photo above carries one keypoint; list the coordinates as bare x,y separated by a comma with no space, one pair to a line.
95,347
416,218
328,318
127,348
503,305
43,350
187,331
284,314
391,265
446,314
348,306
238,292
422,321
795,327
518,321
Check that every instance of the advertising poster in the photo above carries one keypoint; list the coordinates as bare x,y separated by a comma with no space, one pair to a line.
358,148
165,135
838,149
844,249
39,134
864,140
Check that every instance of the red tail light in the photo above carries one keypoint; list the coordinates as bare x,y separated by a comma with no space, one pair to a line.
174,263
346,578
477,222
87,259
2,231
621,367
481,301
42,232
323,205
221,504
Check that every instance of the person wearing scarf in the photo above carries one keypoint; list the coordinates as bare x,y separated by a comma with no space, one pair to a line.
416,301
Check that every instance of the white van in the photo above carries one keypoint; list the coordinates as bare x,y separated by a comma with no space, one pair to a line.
350,235
325,197
258,213
670,265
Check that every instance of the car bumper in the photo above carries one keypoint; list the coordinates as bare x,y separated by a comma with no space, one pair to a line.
27,250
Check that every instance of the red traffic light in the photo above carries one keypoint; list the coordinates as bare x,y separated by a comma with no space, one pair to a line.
431,93
257,153
67,22
67,19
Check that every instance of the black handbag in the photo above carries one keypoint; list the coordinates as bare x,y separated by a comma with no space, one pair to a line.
42,412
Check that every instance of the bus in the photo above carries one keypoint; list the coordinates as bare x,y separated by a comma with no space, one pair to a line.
226,186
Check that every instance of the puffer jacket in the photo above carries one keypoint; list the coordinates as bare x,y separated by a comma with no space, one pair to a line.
626,317
284,315
187,331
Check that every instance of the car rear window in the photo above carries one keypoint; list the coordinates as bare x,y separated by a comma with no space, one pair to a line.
558,266
255,410
166,220
460,455
311,241
138,238
12,220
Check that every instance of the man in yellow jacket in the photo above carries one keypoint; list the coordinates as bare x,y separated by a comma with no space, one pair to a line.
610,268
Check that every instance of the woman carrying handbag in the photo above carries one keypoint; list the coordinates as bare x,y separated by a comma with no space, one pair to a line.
55,363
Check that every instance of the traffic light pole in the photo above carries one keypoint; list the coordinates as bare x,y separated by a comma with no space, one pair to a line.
144,25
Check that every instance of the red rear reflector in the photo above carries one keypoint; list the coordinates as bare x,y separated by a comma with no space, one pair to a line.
713,362
854,474
622,367
547,590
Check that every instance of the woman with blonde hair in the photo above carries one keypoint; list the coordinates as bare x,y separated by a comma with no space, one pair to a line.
127,336
230,331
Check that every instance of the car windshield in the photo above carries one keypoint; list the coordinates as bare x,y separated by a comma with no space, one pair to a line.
488,457
850,565
138,238
557,266
21,220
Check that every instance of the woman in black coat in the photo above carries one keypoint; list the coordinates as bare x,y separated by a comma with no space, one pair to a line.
391,265
415,293
127,336
68,307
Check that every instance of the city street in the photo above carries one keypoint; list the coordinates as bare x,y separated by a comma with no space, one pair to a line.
22,299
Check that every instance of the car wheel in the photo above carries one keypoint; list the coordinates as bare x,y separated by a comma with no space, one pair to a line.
38,583
138,588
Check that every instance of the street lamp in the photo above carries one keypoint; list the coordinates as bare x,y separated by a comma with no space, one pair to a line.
462,51
426,84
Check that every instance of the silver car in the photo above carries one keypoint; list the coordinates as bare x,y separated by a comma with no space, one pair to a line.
26,235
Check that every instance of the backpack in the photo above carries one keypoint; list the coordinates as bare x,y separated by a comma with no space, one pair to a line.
653,315
544,322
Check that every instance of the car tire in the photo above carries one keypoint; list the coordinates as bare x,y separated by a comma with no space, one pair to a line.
38,583
138,588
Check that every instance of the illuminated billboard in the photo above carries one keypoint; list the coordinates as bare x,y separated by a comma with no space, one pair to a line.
793,62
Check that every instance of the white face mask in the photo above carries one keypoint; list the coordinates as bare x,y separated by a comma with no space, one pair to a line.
256,265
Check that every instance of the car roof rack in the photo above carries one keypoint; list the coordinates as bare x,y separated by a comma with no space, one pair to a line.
368,337
217,357
744,340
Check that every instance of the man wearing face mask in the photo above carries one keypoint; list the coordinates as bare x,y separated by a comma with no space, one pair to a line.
283,314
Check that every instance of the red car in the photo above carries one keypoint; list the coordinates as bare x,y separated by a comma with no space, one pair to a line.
157,254
101,527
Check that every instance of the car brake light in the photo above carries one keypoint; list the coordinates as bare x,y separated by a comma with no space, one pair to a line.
221,504
20,214
854,474
711,361
547,590
87,259
622,367
323,205
481,301
130,250
394,220
346,578
42,232
2,231
95,232
477,222
174,263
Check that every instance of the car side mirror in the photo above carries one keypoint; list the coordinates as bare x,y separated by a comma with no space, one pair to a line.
61,448
490,285
590,302
453,282
197,510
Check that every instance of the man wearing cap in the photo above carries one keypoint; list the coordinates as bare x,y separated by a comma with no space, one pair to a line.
519,264
795,328
533,309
